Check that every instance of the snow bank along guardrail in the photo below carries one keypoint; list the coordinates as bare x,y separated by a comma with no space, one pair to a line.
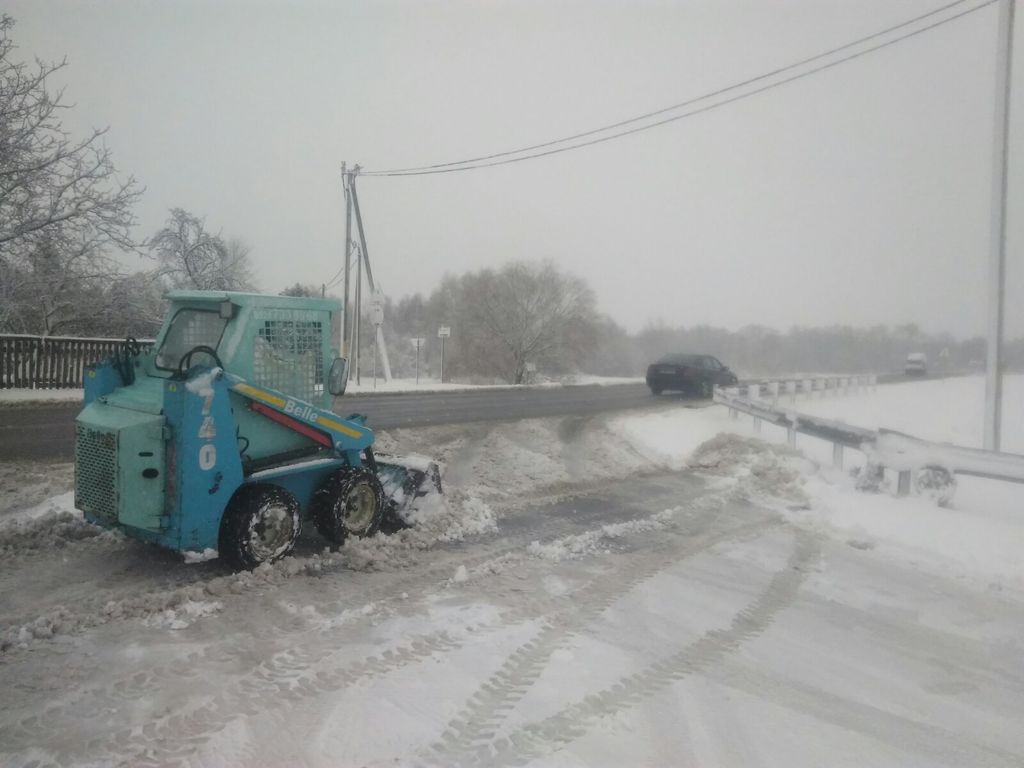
884,448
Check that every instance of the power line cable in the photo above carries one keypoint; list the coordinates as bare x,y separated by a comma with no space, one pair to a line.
334,279
688,102
473,164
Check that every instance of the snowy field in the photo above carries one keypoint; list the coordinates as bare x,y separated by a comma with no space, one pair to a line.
941,410
658,588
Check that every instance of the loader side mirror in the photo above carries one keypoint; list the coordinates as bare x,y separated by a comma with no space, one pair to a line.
337,380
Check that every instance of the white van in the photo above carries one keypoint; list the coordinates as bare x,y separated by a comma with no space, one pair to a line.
917,364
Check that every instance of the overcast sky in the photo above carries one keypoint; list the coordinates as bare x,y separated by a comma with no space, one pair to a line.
860,195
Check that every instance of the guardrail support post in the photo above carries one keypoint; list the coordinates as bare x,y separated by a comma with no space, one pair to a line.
837,455
791,391
773,390
903,483
791,436
757,424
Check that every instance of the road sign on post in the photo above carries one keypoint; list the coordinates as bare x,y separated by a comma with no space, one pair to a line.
443,333
377,315
377,308
417,342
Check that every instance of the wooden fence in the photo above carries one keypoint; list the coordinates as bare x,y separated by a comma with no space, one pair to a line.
51,362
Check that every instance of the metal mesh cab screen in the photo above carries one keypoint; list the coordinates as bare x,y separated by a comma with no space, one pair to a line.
96,472
288,354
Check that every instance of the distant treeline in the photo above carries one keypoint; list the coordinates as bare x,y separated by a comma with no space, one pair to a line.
756,350
595,344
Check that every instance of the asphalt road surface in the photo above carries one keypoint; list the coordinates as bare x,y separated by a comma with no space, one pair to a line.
47,432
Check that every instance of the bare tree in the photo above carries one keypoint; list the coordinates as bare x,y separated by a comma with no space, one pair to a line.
191,257
527,313
62,207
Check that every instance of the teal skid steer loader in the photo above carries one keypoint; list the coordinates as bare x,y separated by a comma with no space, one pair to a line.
222,438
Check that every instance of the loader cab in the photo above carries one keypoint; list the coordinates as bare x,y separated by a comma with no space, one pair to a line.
280,342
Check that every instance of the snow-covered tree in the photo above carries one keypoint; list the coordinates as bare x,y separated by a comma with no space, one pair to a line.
191,257
63,210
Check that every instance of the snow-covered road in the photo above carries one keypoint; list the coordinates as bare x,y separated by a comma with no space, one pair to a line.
635,590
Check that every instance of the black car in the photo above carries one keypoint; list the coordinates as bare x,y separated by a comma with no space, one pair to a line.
692,374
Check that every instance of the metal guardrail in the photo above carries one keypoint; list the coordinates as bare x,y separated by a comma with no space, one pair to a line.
884,448
811,385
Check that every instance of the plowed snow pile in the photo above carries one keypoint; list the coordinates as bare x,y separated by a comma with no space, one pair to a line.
979,537
760,470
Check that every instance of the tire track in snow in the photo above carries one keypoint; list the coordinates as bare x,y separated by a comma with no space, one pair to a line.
283,679
486,708
109,606
897,731
272,678
173,741
537,739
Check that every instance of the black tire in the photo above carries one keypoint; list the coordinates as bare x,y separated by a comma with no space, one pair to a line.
260,525
705,389
655,391
349,503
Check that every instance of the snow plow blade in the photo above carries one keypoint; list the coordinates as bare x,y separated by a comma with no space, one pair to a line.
406,479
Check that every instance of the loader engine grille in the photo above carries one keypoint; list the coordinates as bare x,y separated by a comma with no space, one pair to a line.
96,472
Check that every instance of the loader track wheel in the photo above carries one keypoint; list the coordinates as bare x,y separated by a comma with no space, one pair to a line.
349,503
260,525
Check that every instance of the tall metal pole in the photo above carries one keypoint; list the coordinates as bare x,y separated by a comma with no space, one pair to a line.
346,178
997,255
